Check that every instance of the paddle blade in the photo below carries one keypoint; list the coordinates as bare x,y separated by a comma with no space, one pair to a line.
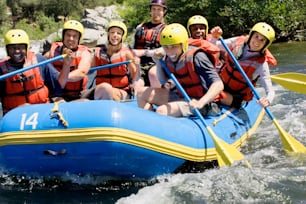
226,154
292,81
290,144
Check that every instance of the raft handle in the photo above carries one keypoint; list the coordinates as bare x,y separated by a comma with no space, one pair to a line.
55,153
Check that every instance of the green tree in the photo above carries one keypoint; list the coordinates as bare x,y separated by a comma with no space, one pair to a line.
64,8
29,7
134,12
234,16
3,14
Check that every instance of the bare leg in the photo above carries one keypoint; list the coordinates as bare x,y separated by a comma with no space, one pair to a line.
119,94
171,109
148,95
104,91
154,82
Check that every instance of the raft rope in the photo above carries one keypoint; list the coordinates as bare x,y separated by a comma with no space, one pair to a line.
224,115
56,113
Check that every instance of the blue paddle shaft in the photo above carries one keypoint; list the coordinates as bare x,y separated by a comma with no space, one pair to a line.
109,65
246,78
31,67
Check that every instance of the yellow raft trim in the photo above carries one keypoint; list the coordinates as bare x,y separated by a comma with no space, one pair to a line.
117,135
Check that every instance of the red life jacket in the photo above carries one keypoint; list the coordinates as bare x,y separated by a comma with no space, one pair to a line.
116,76
27,87
186,74
233,79
148,38
72,89
209,48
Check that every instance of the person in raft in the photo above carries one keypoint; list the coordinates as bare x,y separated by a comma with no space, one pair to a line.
194,70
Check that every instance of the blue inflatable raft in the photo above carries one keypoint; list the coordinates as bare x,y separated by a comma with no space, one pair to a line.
114,139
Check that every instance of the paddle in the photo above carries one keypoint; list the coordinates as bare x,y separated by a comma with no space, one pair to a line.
32,66
293,81
226,154
290,144
109,65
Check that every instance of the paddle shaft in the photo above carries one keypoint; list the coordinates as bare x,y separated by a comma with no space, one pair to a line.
226,154
246,78
10,74
109,65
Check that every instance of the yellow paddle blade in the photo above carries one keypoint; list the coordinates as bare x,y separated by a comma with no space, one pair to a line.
292,81
226,154
290,144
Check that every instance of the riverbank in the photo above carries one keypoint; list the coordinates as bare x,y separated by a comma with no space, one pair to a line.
300,35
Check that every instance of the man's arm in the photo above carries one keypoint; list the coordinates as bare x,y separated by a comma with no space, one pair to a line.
83,67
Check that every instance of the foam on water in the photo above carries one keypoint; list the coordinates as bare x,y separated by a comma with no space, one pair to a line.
273,178
231,185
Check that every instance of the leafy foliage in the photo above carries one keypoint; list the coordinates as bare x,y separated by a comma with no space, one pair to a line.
234,16
135,12
3,14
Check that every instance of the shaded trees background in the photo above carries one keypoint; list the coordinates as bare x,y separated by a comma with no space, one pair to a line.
42,17
234,16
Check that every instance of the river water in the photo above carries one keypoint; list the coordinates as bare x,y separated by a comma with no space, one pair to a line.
274,177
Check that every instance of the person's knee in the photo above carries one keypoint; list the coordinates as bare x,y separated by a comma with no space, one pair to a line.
163,110
103,91
103,86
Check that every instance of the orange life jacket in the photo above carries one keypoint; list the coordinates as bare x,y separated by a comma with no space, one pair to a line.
233,79
72,89
27,87
116,76
148,38
208,47
186,74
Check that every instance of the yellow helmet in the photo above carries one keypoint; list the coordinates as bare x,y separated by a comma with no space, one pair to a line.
266,30
174,33
121,25
197,19
74,25
16,36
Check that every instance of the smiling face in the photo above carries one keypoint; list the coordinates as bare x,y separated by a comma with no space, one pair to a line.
257,42
115,35
173,51
198,31
71,39
17,52
157,14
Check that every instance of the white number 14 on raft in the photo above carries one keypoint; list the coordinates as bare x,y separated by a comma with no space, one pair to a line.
29,121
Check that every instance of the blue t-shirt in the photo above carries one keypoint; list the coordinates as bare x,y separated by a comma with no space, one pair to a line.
205,69
49,75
